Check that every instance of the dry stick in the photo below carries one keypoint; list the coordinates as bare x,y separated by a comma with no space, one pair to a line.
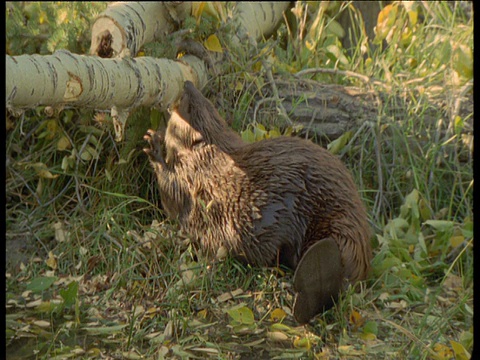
77,184
260,102
379,197
315,111
33,192
364,78
283,112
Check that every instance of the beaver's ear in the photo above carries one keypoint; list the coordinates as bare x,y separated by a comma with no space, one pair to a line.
189,87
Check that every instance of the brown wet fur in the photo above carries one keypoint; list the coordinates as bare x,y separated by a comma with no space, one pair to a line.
263,202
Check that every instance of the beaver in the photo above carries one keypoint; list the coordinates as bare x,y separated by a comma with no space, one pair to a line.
280,201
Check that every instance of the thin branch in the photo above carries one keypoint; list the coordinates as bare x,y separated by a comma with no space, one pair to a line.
271,80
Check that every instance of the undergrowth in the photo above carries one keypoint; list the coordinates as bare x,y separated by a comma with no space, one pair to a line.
95,270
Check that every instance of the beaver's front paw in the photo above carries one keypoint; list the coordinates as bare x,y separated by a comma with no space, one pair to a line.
155,151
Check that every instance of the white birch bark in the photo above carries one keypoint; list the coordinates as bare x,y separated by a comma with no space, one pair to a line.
257,19
129,25
89,81
122,83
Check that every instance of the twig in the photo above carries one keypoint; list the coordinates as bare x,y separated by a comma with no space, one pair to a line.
257,105
315,111
283,112
367,80
364,78
379,196
77,184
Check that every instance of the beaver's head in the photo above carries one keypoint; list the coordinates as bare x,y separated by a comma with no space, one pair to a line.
201,115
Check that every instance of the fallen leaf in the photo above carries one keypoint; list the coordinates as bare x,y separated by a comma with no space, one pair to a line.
460,352
277,336
356,319
51,261
277,315
442,351
41,323
350,350
302,343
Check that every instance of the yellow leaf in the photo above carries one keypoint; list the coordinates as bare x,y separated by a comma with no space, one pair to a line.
238,86
42,171
63,143
356,319
443,351
213,44
350,350
277,315
460,352
47,174
202,314
463,60
51,261
367,336
52,127
456,240
302,343
386,19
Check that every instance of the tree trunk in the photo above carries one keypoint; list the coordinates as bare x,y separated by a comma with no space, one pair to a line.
130,25
88,81
122,83
324,110
257,20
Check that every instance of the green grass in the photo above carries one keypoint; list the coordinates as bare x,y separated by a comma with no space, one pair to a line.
95,268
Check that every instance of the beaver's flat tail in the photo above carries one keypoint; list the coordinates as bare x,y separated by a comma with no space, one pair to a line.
318,280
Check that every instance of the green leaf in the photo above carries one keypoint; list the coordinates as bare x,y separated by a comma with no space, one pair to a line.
155,118
411,206
337,54
424,208
370,327
40,284
242,315
440,225
69,294
467,229
260,132
338,144
248,136
105,330
463,60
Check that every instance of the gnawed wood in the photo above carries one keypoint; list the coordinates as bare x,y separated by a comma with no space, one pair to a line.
127,26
